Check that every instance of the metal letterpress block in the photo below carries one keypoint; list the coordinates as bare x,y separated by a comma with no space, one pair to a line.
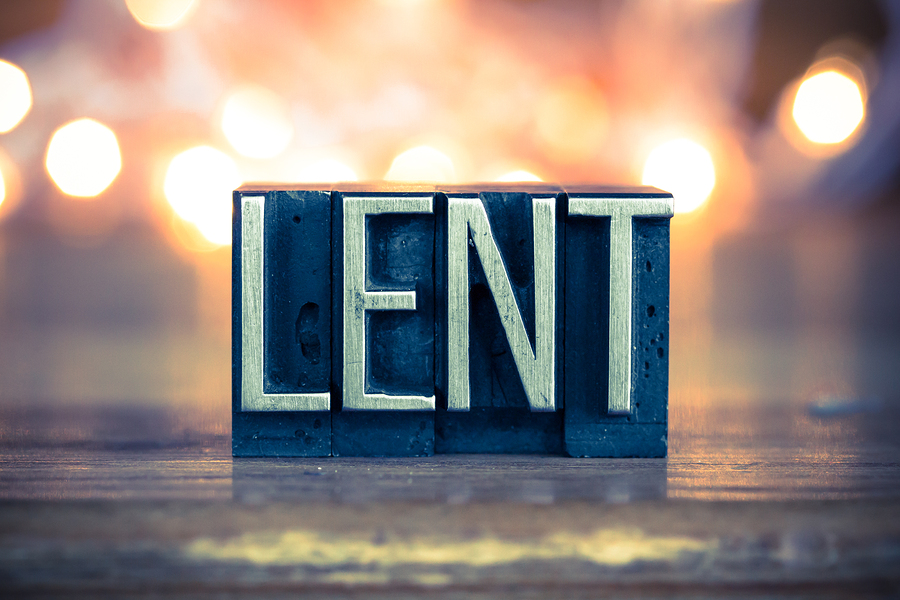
394,321
501,323
281,331
616,322
384,305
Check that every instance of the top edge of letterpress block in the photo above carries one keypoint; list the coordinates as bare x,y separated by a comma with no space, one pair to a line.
614,191
349,187
413,187
529,187
263,186
377,188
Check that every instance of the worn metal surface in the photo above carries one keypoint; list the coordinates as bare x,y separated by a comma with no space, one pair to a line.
468,224
590,429
621,212
253,397
499,418
397,346
456,305
358,299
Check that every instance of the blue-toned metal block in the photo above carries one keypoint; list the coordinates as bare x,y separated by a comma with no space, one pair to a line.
403,320
384,297
592,429
281,323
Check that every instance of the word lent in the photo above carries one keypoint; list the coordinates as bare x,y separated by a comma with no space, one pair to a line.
377,320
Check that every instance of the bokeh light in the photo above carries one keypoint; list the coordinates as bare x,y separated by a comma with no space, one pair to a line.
684,168
15,96
160,14
422,163
519,175
83,158
828,107
257,122
405,3
571,120
198,186
326,171
10,185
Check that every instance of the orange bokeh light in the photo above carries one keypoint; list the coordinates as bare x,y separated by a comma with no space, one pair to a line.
572,120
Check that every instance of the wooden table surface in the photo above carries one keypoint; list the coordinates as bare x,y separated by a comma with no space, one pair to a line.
754,501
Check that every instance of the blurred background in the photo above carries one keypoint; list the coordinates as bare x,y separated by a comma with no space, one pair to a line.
125,124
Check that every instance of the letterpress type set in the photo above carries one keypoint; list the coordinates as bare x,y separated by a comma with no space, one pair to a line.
407,319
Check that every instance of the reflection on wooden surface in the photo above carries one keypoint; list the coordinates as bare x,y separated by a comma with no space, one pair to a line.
756,451
740,452
171,513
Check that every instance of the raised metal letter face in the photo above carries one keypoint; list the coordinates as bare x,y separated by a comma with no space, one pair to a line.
621,211
253,397
357,300
468,224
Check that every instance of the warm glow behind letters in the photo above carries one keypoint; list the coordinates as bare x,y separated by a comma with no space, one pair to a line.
422,163
83,158
198,185
685,169
257,122
15,96
828,107
160,14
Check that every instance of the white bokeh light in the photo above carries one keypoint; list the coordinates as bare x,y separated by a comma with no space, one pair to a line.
520,175
15,96
198,185
160,14
83,158
828,107
422,163
684,168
